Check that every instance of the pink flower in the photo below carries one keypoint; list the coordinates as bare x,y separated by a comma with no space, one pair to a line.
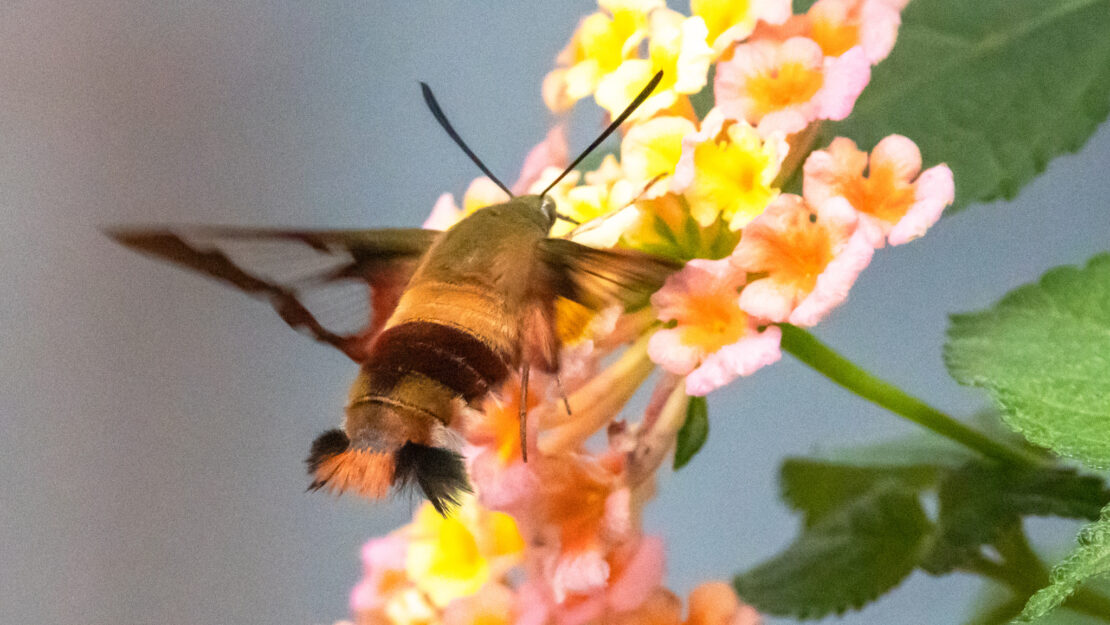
810,258
713,340
635,574
492,605
551,152
445,212
893,200
840,25
786,85
383,564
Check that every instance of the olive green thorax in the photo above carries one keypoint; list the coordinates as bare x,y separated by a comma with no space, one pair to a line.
493,247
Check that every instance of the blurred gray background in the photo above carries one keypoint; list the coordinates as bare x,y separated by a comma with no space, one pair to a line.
154,423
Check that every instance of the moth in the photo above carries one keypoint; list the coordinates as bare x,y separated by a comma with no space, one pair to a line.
452,315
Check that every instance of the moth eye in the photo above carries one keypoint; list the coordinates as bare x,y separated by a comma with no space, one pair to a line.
547,205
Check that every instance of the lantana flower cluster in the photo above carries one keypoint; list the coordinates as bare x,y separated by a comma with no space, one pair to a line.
557,539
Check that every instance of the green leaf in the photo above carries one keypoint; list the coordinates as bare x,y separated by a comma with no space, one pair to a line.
703,100
1043,354
818,488
980,502
997,605
849,558
1090,559
693,433
994,88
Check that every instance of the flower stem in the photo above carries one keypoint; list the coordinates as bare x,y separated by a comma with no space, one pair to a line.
801,144
806,348
598,401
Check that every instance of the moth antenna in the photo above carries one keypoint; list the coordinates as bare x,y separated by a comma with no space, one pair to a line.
437,112
524,413
652,84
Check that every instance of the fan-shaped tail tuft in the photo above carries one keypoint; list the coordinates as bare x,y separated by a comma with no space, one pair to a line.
439,472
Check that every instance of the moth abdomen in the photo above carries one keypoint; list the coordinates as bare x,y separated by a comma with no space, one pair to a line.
417,377
438,354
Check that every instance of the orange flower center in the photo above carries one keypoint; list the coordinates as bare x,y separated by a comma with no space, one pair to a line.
713,321
881,194
787,85
392,581
835,38
799,253
575,501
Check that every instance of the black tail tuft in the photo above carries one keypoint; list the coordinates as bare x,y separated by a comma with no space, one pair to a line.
439,472
326,445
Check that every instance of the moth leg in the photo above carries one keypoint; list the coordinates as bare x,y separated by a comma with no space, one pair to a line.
563,394
524,413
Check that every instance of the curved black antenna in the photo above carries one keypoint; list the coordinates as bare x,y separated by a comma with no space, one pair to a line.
613,126
437,112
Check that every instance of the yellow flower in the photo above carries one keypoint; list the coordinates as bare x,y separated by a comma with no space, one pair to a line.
732,20
455,556
727,171
677,47
601,42
600,206
650,152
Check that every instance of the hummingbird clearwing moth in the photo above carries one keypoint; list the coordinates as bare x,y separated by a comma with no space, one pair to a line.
452,315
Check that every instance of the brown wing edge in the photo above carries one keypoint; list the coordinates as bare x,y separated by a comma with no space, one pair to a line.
385,259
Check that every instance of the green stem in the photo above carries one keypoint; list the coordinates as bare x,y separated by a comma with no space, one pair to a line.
801,144
1089,603
1019,555
806,348
1025,574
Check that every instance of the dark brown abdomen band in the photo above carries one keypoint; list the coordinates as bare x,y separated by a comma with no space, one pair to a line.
446,354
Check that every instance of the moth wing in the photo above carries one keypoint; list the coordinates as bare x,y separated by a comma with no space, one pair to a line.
337,286
599,278
577,279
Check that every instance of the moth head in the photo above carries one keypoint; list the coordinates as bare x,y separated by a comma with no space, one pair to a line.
540,209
